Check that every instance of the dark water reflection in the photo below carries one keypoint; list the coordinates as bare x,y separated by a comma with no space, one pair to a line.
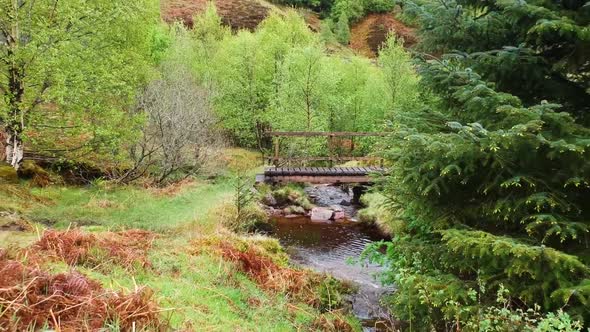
329,247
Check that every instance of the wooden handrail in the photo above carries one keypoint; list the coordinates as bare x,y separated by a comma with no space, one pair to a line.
276,135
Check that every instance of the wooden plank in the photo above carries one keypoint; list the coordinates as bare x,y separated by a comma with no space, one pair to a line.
325,179
342,158
324,134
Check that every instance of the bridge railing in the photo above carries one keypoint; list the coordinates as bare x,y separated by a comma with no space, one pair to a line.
333,157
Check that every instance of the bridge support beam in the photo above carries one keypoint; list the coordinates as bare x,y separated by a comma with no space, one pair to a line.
357,192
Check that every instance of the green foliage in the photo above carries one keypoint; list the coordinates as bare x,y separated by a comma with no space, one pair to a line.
327,34
247,71
331,293
357,9
70,69
319,5
343,30
508,42
492,188
280,77
401,81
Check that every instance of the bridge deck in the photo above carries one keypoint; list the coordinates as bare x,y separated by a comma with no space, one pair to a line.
319,174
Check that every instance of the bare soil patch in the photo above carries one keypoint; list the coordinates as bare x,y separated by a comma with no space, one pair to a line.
237,14
368,35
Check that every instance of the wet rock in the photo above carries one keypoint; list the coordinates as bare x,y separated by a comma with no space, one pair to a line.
269,200
294,209
339,215
274,212
336,208
345,203
292,216
321,214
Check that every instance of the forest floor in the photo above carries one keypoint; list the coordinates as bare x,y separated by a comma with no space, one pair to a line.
200,275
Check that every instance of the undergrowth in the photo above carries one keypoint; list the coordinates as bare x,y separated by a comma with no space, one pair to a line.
85,235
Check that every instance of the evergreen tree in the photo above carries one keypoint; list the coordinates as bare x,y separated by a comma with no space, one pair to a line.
492,176
343,30
326,32
536,50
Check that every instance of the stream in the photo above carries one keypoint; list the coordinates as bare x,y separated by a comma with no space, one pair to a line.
330,246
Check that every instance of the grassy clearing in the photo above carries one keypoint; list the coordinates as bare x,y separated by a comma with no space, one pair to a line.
196,288
129,207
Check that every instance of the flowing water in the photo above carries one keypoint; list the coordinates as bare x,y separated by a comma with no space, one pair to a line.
332,246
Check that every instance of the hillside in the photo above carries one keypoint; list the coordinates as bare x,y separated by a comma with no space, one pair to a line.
238,14
368,35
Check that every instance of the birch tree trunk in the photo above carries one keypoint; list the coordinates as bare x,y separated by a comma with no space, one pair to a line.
14,150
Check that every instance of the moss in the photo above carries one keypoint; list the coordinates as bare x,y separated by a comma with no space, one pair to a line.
30,170
247,220
291,195
8,174
271,248
377,213
367,215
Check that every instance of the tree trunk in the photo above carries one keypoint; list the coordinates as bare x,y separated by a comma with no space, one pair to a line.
14,149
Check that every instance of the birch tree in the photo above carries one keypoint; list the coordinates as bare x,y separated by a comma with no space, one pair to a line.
69,69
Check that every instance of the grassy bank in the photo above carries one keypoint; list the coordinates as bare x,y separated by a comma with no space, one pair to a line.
195,284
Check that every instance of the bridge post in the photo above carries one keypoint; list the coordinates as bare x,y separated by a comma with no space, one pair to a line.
357,192
277,151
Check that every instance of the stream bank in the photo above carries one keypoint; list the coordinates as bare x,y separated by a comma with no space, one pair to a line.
327,238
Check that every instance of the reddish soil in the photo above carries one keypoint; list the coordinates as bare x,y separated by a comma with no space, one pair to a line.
238,14
312,19
371,32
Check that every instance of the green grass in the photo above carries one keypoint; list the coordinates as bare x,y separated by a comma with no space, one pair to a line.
128,207
197,289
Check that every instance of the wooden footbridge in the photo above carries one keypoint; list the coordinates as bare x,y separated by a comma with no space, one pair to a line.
341,148
333,175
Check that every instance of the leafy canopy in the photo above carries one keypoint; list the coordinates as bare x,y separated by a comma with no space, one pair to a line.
69,69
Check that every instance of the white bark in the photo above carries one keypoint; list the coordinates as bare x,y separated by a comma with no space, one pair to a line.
15,150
